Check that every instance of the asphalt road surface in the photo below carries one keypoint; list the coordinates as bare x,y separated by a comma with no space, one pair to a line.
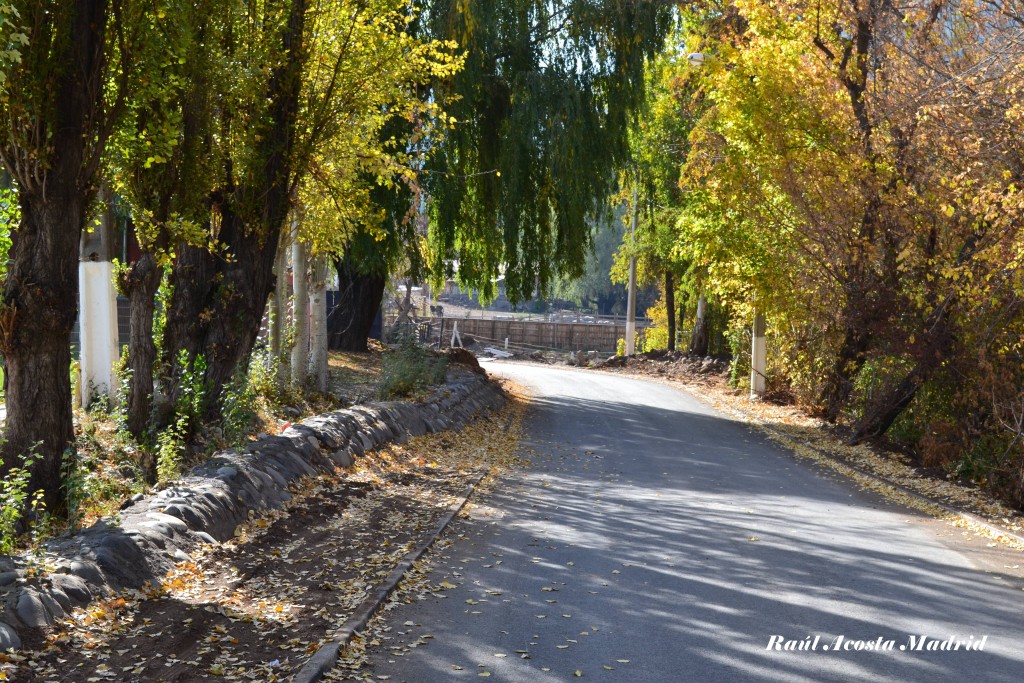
654,539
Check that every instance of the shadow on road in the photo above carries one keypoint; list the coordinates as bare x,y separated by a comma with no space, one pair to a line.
683,541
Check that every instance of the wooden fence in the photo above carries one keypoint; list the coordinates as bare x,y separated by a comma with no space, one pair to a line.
537,334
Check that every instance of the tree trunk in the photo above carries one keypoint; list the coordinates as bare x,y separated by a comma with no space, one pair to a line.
217,305
938,342
699,339
56,185
38,312
359,297
850,359
877,421
670,309
300,312
141,286
318,319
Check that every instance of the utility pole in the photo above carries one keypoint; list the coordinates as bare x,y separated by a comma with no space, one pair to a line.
631,300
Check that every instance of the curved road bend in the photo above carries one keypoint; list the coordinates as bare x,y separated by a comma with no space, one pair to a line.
653,529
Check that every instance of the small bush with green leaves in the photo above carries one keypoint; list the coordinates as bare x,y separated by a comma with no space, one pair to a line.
14,499
243,396
172,441
409,368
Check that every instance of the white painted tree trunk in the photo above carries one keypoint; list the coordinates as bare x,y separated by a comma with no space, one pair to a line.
318,323
300,314
279,314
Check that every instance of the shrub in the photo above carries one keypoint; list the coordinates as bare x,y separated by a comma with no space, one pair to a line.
409,368
188,410
14,496
247,391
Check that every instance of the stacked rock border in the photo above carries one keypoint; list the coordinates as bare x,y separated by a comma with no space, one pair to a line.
152,534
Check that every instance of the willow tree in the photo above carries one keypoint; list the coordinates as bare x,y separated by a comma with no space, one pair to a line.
543,108
66,76
540,111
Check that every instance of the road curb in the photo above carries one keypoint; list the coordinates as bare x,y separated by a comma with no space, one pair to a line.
327,656
967,517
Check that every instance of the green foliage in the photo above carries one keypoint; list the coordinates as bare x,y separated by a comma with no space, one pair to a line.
620,347
373,125
172,441
739,342
10,216
75,485
12,37
16,500
596,289
409,368
163,300
656,335
171,445
542,109
242,398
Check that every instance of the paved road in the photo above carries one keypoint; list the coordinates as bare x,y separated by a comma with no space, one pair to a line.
653,529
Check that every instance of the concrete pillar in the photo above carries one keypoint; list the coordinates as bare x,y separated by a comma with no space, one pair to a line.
758,357
97,306
97,330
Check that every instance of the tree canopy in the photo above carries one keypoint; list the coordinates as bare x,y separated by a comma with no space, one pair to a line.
543,107
856,173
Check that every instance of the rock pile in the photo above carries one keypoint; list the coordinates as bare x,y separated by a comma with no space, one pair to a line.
667,362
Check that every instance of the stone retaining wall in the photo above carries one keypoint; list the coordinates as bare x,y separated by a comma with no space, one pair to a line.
153,534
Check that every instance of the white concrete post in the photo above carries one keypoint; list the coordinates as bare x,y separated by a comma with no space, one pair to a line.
758,357
631,300
97,330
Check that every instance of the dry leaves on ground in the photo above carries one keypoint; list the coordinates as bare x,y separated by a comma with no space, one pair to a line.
255,608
